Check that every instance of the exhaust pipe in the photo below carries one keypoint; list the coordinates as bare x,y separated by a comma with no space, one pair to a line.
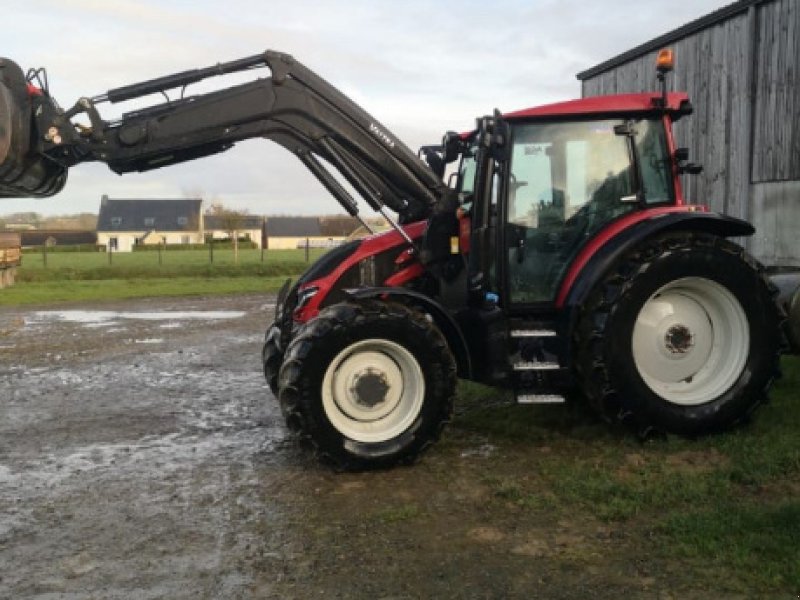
23,171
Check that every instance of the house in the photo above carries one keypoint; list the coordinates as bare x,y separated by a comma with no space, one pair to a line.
741,68
284,233
219,227
124,223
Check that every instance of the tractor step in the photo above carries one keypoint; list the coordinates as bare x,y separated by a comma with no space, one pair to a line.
540,399
534,361
532,333
535,366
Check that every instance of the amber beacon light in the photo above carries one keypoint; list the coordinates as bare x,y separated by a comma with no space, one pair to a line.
665,60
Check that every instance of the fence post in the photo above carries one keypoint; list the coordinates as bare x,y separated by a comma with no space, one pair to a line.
307,249
110,252
159,255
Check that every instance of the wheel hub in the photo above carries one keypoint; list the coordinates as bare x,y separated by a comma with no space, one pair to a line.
679,339
690,341
373,390
370,387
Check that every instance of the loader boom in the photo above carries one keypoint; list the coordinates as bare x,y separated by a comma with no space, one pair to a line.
293,107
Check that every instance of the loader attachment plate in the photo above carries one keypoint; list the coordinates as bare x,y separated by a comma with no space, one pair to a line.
23,171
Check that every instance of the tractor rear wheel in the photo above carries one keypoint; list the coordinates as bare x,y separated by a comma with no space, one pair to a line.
370,384
683,336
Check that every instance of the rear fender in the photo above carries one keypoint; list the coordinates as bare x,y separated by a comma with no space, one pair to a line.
583,277
446,324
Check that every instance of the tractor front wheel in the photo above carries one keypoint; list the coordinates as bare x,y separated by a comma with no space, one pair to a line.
272,357
371,384
683,336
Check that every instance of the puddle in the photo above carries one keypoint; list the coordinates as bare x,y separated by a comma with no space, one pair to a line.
102,318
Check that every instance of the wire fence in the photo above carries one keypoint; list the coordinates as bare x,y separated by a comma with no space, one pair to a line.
164,261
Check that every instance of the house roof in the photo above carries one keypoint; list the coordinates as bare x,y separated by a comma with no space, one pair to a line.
147,215
293,226
722,14
338,226
221,223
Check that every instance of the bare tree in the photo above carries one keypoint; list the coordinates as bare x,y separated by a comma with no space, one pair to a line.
232,222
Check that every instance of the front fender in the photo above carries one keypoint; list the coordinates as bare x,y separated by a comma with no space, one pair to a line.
444,321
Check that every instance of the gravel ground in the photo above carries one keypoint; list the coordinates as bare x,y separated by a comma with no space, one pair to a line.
142,456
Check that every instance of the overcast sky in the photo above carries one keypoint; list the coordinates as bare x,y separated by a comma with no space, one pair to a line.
419,67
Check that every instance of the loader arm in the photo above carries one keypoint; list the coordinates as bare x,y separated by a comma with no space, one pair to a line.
293,107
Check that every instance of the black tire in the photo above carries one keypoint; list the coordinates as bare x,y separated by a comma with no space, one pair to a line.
272,358
605,361
344,334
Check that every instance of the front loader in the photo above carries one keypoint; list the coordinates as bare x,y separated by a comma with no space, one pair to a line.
560,255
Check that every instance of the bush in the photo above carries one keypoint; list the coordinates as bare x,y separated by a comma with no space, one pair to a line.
218,245
69,248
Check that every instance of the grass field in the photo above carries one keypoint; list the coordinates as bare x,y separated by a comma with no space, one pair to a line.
88,276
722,510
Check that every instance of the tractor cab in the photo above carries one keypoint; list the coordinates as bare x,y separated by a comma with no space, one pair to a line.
549,179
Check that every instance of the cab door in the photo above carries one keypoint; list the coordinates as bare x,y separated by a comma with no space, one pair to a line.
565,181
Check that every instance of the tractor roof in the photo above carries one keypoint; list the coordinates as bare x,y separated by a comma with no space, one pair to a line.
677,102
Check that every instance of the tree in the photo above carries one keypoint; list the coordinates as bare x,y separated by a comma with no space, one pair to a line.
231,221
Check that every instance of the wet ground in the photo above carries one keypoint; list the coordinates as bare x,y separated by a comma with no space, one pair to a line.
142,456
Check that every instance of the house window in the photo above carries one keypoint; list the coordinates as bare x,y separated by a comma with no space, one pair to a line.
149,221
184,239
116,221
113,243
183,221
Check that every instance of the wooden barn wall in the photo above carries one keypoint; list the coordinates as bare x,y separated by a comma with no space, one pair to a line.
776,126
713,66
743,78
776,216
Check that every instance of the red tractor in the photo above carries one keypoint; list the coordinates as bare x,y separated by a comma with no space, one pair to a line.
559,254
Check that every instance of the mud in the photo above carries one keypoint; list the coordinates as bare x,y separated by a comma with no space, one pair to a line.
142,456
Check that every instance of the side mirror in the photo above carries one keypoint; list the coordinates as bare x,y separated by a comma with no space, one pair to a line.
451,143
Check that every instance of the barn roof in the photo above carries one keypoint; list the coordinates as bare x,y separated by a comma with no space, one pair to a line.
293,226
722,14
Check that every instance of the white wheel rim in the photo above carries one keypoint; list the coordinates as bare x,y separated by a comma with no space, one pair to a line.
691,341
373,390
